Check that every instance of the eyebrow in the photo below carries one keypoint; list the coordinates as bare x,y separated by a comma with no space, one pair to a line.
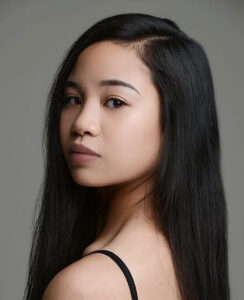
76,85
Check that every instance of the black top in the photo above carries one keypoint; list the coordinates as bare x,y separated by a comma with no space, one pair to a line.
125,270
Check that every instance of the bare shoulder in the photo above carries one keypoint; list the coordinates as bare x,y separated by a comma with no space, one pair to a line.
94,276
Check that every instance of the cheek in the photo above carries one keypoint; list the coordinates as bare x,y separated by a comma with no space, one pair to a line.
64,127
145,143
136,146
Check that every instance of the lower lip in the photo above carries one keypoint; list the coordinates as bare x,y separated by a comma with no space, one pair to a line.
81,158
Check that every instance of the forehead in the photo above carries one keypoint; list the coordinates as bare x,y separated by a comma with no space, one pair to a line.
106,59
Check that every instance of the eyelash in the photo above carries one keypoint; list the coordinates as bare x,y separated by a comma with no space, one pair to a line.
67,98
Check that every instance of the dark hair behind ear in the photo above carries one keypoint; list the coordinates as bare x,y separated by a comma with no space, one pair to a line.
189,202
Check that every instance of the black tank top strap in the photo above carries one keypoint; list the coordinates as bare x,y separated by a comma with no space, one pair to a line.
124,269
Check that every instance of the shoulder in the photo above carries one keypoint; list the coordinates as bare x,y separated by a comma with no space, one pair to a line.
93,277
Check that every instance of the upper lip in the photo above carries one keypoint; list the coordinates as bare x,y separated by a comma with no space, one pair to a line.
82,149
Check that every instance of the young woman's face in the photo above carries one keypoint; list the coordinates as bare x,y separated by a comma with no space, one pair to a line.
119,123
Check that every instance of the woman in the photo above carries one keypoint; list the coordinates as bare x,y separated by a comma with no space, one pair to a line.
138,92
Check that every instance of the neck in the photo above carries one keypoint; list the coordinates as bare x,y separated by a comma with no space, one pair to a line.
118,215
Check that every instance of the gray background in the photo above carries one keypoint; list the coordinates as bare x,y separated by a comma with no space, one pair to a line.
34,37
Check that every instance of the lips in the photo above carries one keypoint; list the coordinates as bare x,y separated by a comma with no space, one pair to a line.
79,148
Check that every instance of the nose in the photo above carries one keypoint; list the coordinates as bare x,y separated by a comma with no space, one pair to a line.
87,120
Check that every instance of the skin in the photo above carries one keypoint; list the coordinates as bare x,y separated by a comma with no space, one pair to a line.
127,137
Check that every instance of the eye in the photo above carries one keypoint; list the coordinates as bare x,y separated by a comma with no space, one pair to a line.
76,100
66,99
118,101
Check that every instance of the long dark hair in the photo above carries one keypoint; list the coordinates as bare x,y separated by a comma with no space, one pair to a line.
188,203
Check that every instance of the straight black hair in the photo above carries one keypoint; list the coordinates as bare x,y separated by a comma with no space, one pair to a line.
188,203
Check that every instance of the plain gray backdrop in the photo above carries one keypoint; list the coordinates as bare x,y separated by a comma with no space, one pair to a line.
34,37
